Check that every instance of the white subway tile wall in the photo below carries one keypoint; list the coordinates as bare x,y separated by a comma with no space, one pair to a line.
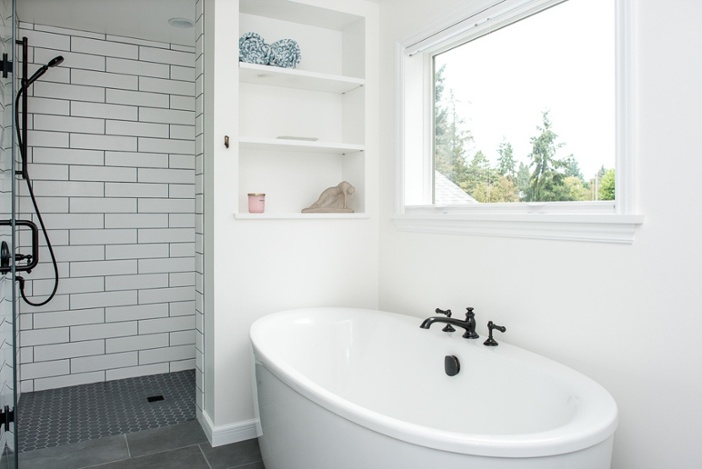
112,141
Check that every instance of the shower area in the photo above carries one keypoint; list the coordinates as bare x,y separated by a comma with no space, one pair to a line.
98,312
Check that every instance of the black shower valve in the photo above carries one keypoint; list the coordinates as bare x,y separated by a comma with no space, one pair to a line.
32,259
4,257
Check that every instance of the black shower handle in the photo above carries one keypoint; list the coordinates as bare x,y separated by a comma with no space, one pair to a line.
34,257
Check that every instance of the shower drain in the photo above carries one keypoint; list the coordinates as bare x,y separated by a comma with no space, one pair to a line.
154,398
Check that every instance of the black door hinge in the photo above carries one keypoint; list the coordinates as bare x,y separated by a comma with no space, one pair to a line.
5,66
7,416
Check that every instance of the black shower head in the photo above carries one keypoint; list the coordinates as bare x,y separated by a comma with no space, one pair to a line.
55,61
42,70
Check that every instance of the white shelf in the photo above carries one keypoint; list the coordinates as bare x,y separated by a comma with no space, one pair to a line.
298,79
279,144
300,216
303,129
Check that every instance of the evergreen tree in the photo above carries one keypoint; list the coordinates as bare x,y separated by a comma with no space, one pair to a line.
601,172
450,138
572,168
440,110
523,178
478,177
506,162
486,185
547,175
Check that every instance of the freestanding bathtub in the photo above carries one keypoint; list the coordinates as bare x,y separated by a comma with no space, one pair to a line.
342,388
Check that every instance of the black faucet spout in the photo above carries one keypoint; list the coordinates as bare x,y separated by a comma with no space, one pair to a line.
468,324
426,324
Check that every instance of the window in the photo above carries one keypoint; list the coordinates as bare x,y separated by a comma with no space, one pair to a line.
515,120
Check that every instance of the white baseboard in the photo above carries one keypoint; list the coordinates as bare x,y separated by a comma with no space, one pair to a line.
226,434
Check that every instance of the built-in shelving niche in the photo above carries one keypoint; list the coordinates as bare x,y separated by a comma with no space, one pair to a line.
302,130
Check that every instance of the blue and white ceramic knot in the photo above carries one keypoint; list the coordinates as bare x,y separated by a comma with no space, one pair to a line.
284,53
253,49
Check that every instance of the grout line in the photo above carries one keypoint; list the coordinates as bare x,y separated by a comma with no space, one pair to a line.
248,464
199,446
126,440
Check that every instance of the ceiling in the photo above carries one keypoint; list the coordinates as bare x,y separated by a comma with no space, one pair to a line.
143,19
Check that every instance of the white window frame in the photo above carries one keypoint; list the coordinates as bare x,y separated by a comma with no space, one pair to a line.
612,221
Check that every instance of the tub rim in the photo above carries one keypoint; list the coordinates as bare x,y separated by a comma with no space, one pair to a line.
583,431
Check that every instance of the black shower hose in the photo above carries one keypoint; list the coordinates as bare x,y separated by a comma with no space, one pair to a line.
27,179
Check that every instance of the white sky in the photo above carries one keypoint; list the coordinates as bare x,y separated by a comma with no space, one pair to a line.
561,60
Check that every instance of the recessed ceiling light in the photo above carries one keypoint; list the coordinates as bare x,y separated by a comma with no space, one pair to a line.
183,23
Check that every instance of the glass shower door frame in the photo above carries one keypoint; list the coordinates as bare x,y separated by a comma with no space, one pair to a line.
9,330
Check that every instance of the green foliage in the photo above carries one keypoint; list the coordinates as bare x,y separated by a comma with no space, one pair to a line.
544,177
576,189
506,163
486,184
501,189
606,187
572,168
547,175
479,172
523,178
450,138
601,173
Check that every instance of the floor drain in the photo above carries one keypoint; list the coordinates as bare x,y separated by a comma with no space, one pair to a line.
154,398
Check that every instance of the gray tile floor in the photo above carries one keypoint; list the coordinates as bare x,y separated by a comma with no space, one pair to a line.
63,416
179,446
112,425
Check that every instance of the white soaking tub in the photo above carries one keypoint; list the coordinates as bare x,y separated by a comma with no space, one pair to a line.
341,388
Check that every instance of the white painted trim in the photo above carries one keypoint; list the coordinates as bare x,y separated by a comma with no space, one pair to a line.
576,221
226,434
302,216
618,229
399,128
470,22
625,107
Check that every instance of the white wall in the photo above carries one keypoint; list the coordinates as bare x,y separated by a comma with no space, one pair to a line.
628,316
255,267
111,151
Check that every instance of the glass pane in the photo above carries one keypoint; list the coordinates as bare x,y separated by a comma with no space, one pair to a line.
526,113
7,333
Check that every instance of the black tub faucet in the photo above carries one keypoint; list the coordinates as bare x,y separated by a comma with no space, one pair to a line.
468,324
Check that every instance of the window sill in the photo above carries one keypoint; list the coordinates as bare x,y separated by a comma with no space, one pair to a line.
591,227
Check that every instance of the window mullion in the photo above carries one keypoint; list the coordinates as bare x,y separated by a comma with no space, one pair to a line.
625,106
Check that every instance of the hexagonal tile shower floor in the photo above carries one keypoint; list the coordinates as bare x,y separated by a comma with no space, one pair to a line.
68,415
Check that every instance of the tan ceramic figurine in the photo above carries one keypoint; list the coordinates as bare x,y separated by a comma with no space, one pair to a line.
333,200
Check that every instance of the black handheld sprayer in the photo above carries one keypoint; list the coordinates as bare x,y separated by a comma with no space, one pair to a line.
24,173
